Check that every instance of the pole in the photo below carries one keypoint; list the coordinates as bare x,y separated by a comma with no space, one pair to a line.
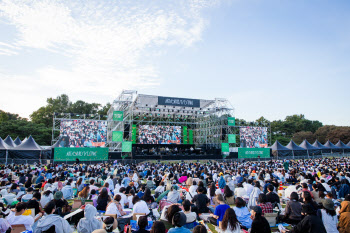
6,156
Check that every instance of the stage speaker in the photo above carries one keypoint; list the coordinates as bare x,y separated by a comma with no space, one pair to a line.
223,135
126,130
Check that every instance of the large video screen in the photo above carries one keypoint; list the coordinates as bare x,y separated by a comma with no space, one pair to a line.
253,137
159,134
83,133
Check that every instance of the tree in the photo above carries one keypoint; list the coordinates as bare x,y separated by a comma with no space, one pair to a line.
322,133
24,128
104,110
300,136
263,121
339,133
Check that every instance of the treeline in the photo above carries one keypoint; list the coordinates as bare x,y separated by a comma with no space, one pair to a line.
295,127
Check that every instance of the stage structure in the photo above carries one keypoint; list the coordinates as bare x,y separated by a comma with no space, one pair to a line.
203,123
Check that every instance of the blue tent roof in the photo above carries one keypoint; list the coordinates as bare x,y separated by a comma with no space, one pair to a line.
340,144
29,144
319,145
3,145
306,145
348,143
278,146
331,145
291,145
17,141
8,140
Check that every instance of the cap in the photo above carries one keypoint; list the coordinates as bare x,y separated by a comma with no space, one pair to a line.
179,219
257,209
58,195
328,204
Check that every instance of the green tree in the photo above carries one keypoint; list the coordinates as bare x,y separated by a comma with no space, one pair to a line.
24,128
300,136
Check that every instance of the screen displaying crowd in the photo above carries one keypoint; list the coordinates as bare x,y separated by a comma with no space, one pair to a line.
159,134
83,133
253,137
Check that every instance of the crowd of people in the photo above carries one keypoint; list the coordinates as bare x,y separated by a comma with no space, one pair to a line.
309,195
253,137
159,134
83,133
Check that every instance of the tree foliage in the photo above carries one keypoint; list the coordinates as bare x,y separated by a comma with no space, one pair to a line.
295,127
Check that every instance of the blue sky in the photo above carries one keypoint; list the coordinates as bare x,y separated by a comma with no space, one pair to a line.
269,58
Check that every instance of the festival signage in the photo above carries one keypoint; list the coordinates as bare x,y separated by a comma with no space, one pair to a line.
126,146
118,115
117,136
190,136
133,134
178,102
231,138
231,121
225,147
185,135
253,152
81,153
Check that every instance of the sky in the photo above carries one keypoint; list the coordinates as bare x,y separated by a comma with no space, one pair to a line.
269,58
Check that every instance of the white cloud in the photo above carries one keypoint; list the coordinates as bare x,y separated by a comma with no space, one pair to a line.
110,44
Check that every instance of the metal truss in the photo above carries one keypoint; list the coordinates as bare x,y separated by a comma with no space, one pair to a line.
209,123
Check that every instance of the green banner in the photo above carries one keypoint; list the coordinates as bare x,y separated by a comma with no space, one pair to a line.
118,115
225,147
81,153
126,146
232,138
190,136
231,121
133,134
253,152
117,136
185,135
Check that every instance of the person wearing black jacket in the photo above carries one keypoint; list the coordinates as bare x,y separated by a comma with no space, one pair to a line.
272,196
259,224
310,223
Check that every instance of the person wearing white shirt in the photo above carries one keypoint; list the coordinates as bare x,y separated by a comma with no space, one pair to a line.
248,187
92,186
124,199
46,197
240,191
16,218
140,206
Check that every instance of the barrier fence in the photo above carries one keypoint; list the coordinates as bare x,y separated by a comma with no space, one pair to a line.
134,161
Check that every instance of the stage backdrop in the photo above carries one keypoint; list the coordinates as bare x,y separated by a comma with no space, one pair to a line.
253,137
83,133
83,154
253,152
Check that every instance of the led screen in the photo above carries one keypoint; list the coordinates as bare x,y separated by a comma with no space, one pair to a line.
159,134
253,137
83,133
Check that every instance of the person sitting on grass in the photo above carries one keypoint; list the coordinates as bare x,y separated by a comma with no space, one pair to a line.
259,224
142,223
178,222
229,223
219,212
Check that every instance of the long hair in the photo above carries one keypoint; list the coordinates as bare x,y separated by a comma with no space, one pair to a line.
79,181
85,192
228,192
212,189
230,219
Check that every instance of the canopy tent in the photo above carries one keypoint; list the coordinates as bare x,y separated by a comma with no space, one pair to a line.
321,147
332,147
348,143
342,145
311,150
18,141
297,150
29,149
3,149
8,140
279,150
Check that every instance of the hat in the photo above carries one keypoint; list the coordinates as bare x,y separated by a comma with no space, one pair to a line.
179,219
220,174
257,209
218,191
58,195
175,187
328,204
